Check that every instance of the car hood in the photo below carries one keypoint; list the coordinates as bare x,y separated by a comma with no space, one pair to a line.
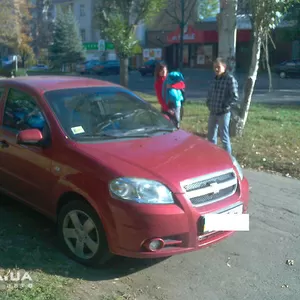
169,158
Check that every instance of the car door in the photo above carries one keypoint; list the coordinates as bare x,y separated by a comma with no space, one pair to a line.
26,170
2,99
290,67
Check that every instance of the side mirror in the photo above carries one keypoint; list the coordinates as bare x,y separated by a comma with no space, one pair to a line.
29,137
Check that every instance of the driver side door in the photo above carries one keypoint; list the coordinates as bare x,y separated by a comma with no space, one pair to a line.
26,170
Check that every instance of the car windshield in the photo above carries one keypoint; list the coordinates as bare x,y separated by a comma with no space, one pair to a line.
104,113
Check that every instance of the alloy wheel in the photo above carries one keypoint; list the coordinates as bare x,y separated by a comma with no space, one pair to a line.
81,234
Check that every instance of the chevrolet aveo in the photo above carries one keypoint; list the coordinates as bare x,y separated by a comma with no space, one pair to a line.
111,171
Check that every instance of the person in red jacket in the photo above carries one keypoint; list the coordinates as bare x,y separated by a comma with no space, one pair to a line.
161,73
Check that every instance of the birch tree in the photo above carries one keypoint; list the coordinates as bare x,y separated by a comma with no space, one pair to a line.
227,32
117,21
265,16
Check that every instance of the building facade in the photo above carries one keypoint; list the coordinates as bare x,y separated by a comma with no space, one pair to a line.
96,47
83,11
201,41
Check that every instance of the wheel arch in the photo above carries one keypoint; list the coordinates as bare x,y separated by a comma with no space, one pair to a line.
70,196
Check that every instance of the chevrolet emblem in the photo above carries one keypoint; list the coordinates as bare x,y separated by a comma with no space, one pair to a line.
214,187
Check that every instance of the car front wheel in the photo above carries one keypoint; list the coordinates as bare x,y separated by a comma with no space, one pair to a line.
81,234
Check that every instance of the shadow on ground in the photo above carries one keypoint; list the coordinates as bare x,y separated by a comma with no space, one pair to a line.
28,241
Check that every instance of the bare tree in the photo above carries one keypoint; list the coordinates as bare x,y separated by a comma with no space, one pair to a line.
181,12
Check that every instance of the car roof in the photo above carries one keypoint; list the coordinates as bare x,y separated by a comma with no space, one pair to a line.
50,83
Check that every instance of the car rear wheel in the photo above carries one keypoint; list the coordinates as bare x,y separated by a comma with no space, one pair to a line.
282,75
81,234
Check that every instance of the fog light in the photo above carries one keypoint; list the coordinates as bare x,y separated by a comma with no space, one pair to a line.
154,244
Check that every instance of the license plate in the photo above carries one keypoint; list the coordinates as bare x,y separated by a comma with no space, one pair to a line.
236,210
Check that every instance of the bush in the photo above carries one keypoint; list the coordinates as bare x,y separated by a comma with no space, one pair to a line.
9,72
20,72
5,72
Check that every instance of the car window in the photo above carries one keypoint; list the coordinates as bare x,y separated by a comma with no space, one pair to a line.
22,112
95,113
2,90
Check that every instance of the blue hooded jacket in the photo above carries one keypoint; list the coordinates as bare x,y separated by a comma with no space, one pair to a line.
173,95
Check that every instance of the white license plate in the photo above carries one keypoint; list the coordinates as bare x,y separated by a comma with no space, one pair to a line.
238,210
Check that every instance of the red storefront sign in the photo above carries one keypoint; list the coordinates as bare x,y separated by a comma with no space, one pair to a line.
195,36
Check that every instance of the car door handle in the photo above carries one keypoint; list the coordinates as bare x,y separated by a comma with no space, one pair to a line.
4,144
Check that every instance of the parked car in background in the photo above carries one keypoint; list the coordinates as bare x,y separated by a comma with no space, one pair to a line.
108,68
87,66
113,173
39,67
289,68
148,67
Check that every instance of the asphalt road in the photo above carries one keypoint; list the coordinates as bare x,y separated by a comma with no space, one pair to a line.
248,265
198,81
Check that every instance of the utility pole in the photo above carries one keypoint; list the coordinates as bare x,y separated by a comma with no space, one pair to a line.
182,25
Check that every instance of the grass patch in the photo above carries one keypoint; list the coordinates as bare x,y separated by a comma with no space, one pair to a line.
271,137
28,243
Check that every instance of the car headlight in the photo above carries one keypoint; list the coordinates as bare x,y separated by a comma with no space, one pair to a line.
141,190
238,167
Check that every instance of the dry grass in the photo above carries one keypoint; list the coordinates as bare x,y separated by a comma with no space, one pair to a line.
270,141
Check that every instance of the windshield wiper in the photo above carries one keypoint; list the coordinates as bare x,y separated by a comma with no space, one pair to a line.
148,130
123,136
112,136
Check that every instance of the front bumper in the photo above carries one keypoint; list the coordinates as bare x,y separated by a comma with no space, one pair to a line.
176,224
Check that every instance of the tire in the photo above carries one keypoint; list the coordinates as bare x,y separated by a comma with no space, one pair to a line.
96,237
282,74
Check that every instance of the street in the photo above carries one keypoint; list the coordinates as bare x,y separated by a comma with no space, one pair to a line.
198,80
248,265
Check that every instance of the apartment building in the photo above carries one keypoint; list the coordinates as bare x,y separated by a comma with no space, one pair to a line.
91,37
83,11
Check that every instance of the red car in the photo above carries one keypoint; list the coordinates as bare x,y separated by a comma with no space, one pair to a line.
113,173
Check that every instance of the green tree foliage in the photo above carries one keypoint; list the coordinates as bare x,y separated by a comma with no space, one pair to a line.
67,46
14,18
292,32
208,8
117,21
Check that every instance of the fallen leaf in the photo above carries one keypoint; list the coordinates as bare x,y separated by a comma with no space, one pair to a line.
290,262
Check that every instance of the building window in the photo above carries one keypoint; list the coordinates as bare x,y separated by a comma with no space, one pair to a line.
82,11
83,37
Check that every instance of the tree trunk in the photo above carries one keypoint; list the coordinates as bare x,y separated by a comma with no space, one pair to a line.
227,32
268,64
249,86
124,71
